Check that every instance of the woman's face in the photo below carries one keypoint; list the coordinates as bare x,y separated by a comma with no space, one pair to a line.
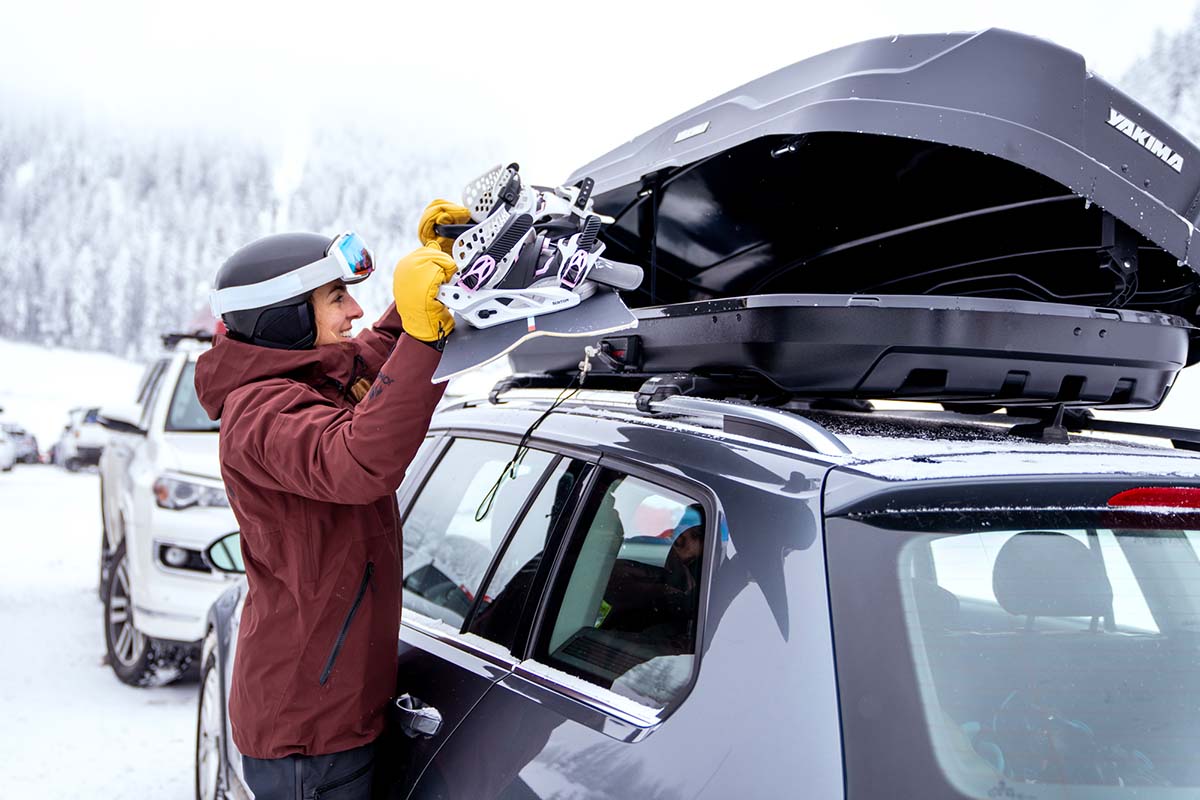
334,309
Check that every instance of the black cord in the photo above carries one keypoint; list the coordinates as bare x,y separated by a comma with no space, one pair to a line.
510,469
654,245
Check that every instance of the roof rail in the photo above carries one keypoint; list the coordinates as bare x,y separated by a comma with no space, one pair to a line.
757,422
741,419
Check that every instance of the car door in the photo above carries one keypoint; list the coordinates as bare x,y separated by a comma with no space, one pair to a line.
613,653
115,486
467,507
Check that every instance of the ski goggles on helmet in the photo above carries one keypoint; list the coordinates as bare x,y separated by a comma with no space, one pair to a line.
348,259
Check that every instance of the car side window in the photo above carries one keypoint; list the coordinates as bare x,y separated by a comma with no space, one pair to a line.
626,613
457,523
148,379
151,394
503,601
185,414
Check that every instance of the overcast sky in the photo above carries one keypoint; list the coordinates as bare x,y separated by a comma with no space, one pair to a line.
562,81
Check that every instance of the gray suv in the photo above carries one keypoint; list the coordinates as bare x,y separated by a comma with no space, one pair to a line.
875,603
731,565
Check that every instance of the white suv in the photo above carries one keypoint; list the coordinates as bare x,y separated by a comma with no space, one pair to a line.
82,441
162,503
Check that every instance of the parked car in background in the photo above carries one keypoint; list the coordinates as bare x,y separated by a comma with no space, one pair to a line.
82,440
26,443
162,503
8,453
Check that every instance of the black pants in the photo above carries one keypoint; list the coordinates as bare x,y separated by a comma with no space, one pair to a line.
339,776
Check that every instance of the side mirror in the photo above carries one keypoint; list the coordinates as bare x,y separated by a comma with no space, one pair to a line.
225,554
121,419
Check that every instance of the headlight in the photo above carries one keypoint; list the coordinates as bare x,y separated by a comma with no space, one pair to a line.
178,494
179,557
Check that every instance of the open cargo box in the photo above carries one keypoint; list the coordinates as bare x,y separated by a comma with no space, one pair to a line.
992,168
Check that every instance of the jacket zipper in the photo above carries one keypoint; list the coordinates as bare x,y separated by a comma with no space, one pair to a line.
337,646
353,776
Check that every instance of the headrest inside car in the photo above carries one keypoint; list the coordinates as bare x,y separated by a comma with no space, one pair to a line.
1050,574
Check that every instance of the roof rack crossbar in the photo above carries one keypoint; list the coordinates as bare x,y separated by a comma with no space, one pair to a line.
1058,421
1182,438
171,340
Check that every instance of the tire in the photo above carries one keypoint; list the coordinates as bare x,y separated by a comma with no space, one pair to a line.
72,465
210,727
102,584
105,556
135,658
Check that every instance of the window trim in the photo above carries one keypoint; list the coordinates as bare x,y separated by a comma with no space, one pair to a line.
534,672
458,641
541,627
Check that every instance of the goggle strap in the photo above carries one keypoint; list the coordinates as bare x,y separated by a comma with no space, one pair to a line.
273,290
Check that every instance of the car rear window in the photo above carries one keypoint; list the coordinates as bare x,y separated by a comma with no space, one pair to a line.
1020,655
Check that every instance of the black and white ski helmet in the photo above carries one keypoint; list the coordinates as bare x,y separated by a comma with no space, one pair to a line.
262,291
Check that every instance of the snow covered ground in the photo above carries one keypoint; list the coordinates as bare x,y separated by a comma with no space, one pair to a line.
39,385
69,728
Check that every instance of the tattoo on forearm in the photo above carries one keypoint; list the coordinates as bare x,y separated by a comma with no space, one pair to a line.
377,388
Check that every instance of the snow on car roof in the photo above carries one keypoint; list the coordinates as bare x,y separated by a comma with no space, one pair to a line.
1056,460
899,446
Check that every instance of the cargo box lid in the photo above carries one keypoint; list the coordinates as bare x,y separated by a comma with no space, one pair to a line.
987,164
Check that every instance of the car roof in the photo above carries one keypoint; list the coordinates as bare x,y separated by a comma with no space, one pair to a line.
885,443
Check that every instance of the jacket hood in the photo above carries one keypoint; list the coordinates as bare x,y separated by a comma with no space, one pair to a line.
231,364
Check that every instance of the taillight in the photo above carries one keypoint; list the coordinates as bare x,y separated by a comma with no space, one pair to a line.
1157,497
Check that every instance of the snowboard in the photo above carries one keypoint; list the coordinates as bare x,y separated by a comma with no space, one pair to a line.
468,347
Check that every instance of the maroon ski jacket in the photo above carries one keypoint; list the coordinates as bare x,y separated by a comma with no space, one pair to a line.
311,476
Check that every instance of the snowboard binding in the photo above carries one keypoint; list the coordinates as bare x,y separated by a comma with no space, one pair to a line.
529,251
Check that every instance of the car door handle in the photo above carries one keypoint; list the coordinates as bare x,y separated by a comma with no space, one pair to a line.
416,718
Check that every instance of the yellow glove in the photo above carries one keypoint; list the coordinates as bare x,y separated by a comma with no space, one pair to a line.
441,212
415,286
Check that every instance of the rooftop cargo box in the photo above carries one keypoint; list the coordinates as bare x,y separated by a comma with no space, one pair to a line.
986,166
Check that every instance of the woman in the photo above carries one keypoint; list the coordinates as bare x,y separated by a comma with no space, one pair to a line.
317,429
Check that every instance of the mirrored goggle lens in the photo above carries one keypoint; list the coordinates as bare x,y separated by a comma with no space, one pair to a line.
357,256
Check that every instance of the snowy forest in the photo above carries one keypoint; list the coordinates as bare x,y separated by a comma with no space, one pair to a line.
110,235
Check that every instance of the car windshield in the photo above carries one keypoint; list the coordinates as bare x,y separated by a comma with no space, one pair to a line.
186,414
1026,653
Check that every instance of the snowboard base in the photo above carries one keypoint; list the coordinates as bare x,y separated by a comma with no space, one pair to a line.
469,347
